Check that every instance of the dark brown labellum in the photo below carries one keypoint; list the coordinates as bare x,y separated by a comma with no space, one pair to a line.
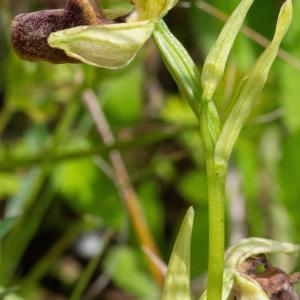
276,283
30,31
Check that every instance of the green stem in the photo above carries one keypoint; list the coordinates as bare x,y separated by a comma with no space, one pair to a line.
216,178
187,77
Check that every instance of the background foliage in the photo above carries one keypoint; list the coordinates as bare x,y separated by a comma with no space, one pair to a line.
60,207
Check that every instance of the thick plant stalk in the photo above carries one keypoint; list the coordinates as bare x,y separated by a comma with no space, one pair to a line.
216,179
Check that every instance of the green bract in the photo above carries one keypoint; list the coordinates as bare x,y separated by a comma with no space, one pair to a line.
215,62
112,45
177,283
251,87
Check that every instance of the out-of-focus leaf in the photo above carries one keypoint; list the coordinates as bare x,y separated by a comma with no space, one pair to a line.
6,225
108,46
288,172
152,207
246,157
29,185
289,77
88,190
177,282
199,251
9,184
123,105
8,294
125,268
192,186
178,112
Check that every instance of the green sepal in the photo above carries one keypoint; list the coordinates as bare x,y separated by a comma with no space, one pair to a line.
108,46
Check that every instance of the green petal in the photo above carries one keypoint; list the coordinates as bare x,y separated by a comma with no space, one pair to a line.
177,283
108,46
237,254
248,288
153,9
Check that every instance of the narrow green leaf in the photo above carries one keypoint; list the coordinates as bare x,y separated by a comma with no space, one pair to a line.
6,225
108,46
215,62
251,88
185,73
90,269
177,283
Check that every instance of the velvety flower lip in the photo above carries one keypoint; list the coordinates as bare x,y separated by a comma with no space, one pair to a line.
30,31
81,33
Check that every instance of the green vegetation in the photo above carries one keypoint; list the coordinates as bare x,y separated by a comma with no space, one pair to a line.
98,166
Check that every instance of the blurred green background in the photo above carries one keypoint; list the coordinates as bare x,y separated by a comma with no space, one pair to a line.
60,208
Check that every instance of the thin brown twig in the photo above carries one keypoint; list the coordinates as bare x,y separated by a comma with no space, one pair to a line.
246,30
123,182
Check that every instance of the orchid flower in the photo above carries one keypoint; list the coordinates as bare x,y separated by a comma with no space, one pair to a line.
249,276
81,33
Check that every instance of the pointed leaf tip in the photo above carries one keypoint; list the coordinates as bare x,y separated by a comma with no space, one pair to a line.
251,87
177,282
217,57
